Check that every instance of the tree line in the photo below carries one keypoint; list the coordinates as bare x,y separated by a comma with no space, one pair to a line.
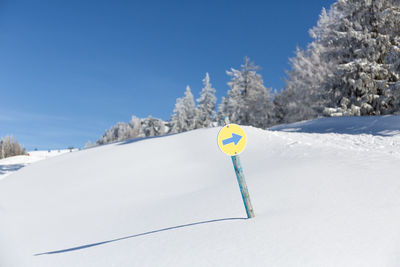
248,102
10,147
351,68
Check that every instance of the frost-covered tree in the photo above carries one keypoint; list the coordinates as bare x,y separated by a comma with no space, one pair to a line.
122,131
303,97
10,147
248,102
136,125
362,38
136,128
183,118
119,132
205,110
153,127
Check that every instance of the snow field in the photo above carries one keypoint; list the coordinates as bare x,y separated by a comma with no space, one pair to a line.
12,164
319,199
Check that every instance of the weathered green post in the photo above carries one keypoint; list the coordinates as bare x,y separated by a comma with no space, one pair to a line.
243,186
232,140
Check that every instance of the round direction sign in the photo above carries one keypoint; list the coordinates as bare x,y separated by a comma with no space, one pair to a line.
232,139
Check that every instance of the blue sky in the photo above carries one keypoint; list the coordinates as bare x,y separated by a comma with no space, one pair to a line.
71,69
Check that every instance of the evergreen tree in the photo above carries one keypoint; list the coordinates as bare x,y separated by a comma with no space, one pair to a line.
136,125
205,110
119,132
123,131
302,97
153,127
248,101
360,39
183,118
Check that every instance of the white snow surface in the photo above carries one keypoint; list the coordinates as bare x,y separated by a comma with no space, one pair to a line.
320,200
13,164
376,125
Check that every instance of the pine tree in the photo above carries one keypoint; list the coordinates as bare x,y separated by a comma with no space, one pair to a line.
205,110
123,131
183,118
153,127
362,39
136,127
118,132
248,102
303,97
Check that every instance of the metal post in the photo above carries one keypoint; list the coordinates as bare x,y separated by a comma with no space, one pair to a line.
243,186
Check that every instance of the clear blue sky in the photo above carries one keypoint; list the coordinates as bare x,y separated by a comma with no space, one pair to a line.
71,69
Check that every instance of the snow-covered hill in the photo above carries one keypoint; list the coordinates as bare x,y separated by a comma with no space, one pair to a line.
375,125
13,164
320,200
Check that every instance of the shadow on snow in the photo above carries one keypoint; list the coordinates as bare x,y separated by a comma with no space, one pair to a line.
10,168
136,235
134,140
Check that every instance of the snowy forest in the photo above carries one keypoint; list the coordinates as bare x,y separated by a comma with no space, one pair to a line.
350,68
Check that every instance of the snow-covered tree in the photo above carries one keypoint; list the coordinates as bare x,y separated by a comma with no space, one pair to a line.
119,132
10,147
122,131
205,110
153,127
248,102
137,129
362,39
303,96
183,118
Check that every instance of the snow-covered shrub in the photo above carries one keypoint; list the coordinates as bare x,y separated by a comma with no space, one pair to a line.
136,128
10,147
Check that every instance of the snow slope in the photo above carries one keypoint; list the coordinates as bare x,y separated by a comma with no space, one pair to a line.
13,164
320,200
375,125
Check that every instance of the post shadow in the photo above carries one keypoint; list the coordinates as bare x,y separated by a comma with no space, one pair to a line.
10,167
133,236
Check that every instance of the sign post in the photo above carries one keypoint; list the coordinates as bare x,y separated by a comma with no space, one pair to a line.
232,141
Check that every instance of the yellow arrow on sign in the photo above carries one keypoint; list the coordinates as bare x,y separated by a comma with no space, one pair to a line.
232,139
